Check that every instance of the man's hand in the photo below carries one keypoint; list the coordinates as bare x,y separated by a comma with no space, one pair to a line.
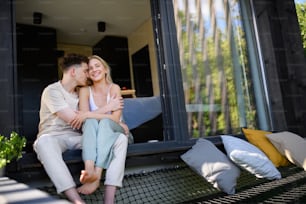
78,120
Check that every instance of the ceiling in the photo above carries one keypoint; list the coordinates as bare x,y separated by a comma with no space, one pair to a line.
76,20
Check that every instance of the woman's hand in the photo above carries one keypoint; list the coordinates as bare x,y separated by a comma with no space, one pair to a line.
125,127
115,103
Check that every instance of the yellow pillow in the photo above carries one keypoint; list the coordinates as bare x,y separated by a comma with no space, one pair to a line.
259,139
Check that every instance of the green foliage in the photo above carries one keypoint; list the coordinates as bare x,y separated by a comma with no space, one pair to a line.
11,148
301,13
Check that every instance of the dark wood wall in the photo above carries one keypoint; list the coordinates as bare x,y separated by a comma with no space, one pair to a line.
28,64
285,63
36,68
8,110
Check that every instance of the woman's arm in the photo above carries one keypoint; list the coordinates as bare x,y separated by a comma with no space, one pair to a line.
116,91
84,106
115,103
100,114
84,112
118,113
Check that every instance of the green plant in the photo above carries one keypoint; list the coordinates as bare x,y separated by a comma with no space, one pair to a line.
11,148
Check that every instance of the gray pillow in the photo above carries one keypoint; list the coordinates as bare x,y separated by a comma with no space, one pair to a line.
139,110
291,145
213,165
250,158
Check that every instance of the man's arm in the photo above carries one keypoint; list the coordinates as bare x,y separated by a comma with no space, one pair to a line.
66,115
75,119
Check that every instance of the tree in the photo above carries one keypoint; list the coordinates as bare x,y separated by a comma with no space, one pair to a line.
301,13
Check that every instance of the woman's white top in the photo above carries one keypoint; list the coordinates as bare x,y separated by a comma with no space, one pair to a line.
92,104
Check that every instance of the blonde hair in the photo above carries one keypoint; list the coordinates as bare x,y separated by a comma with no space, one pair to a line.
108,77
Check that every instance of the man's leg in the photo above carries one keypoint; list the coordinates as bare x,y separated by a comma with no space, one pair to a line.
115,172
49,150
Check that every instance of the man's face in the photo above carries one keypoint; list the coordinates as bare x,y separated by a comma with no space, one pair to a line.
81,74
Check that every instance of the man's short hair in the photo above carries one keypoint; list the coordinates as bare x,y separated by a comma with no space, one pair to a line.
73,59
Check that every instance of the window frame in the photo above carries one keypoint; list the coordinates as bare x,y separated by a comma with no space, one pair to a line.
171,90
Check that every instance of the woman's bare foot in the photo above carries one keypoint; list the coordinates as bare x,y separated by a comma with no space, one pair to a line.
88,177
89,188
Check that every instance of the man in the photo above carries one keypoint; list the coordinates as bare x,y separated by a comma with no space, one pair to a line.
59,107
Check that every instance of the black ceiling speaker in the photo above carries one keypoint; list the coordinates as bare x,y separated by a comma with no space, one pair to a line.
101,26
37,17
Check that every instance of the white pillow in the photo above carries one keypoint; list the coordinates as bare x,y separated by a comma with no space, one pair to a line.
249,157
213,165
290,145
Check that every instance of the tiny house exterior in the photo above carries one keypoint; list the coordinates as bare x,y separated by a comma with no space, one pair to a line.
216,66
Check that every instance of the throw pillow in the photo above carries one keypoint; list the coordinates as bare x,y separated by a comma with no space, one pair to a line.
260,140
250,158
213,165
291,145
139,110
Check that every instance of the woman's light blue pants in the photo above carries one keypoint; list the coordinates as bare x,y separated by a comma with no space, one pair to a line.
99,137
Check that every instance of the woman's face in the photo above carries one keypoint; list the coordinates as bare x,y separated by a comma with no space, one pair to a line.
96,70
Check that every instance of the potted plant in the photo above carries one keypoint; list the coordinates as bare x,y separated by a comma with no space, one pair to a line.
11,148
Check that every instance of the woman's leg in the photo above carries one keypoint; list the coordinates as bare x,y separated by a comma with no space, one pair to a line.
106,137
89,150
108,133
92,180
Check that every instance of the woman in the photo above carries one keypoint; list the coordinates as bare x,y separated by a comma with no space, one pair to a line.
102,126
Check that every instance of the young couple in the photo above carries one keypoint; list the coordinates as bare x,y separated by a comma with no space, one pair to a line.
94,109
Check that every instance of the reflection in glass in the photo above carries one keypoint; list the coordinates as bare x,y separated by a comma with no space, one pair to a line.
215,67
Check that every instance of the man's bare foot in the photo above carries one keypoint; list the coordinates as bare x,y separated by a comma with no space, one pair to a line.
88,177
89,188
